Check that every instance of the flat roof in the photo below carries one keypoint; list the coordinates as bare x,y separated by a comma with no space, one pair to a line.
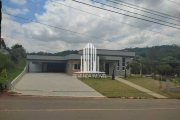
110,53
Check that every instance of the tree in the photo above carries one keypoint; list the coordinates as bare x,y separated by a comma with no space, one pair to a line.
143,54
129,66
146,66
17,52
135,67
173,62
154,56
177,71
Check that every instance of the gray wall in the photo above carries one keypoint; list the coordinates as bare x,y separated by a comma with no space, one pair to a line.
19,77
120,71
41,57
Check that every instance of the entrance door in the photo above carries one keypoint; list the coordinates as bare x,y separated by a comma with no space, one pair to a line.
107,68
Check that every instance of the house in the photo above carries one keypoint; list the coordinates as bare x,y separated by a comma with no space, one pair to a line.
71,63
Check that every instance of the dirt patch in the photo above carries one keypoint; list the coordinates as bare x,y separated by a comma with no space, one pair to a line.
8,93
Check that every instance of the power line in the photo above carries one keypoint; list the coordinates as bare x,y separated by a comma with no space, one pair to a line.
51,25
125,14
134,13
173,2
55,27
144,8
115,20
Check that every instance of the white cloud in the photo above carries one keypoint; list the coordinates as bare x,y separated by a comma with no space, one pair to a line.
35,37
15,11
20,2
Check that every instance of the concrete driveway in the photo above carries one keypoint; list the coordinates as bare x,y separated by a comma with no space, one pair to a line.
53,84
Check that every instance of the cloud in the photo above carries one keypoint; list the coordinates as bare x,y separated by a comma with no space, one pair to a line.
15,11
19,2
36,37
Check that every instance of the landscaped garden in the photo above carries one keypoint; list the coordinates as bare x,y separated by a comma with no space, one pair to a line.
153,85
113,88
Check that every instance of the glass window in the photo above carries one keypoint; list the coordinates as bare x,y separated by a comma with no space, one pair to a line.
117,68
123,63
76,66
123,68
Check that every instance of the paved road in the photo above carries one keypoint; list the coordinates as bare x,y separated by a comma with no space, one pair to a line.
54,108
53,84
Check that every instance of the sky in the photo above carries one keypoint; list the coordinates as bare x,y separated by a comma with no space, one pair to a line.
71,29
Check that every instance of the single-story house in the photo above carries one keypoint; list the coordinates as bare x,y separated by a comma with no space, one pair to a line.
71,63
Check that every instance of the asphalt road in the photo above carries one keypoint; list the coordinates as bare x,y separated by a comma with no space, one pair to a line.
55,108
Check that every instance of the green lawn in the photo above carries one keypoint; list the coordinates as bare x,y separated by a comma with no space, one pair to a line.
13,73
153,85
113,88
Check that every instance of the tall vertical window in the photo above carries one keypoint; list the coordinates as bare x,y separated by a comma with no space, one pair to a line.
118,66
123,63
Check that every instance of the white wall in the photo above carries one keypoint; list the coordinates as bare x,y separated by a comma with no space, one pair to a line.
35,67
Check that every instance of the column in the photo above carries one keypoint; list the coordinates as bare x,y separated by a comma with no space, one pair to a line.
91,57
83,59
95,60
88,57
81,63
98,63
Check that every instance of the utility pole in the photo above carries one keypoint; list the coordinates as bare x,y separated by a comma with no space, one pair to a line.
140,68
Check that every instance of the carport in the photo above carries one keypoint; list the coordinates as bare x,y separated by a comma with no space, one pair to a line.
46,64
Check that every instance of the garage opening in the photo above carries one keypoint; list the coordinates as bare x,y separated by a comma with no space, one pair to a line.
51,67
54,67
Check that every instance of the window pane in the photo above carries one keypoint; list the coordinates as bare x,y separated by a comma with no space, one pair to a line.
75,66
117,68
123,60
118,63
123,64
78,66
123,68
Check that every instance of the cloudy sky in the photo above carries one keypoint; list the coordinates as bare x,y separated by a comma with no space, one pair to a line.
105,33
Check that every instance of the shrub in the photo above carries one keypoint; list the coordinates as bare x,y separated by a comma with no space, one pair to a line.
159,78
6,62
3,76
177,81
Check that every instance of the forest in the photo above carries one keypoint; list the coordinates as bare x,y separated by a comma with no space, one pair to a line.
163,60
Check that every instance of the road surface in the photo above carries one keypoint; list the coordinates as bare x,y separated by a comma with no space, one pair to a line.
58,108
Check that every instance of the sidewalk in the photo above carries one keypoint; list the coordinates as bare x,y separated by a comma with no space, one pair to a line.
140,88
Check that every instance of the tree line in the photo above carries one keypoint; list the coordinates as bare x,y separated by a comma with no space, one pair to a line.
163,60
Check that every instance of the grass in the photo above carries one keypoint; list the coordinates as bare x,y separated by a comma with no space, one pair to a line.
153,85
113,88
13,73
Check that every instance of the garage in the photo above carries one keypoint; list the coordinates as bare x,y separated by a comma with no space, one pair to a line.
47,67
54,67
46,64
